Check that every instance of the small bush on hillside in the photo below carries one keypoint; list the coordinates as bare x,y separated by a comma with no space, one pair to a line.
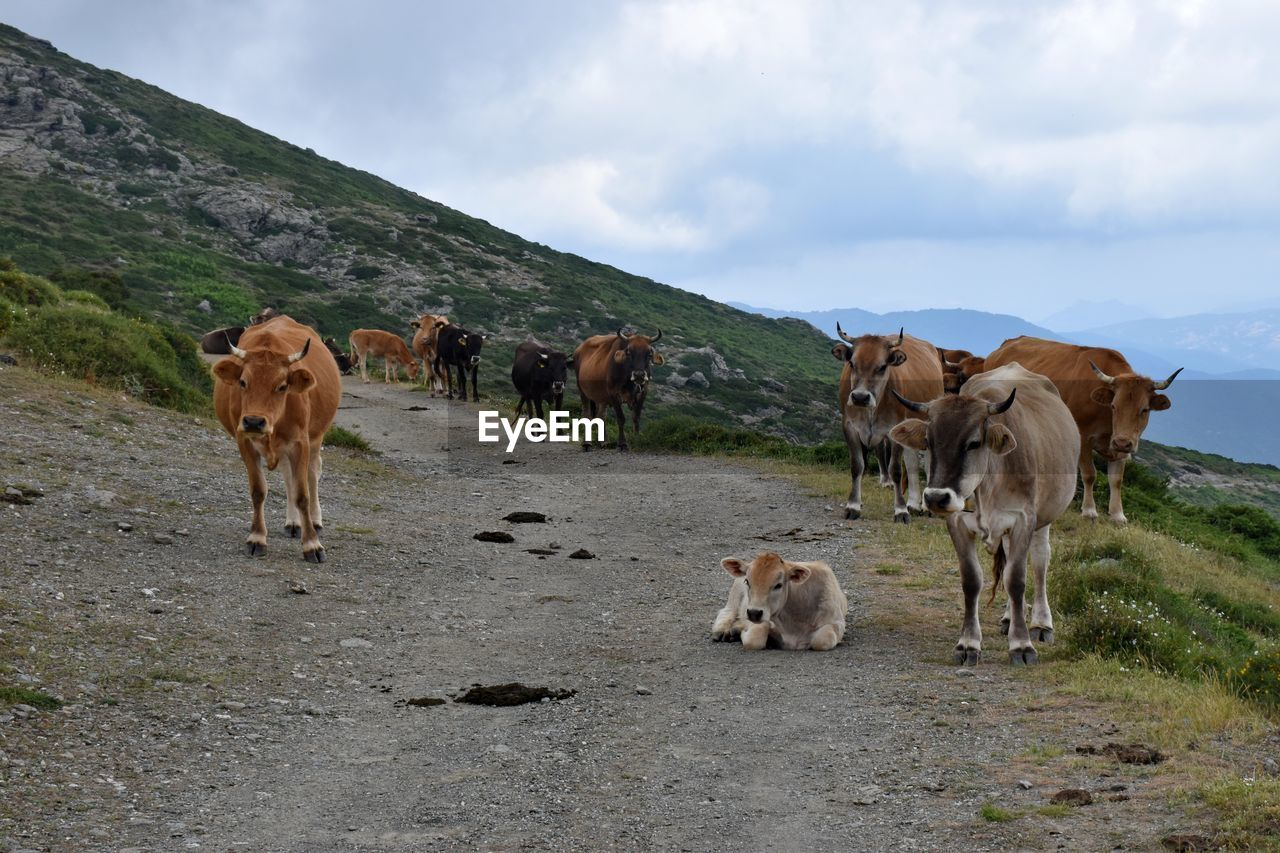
682,434
99,346
1259,677
84,297
23,289
9,314
106,284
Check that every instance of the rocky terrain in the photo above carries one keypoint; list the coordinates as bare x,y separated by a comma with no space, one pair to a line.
210,700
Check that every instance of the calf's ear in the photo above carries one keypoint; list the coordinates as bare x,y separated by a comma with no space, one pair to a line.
912,433
1160,402
620,356
797,574
301,381
228,371
1103,395
999,440
897,357
734,566
657,358
840,352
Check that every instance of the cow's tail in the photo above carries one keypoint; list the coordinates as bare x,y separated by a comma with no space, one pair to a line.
998,569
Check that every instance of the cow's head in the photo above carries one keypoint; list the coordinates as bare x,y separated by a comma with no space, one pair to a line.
265,380
870,358
1132,399
956,373
636,356
467,346
263,316
768,579
553,367
961,439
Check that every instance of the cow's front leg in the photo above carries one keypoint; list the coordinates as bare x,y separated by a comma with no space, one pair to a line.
1115,478
299,461
755,636
292,521
1018,543
883,454
826,638
911,459
475,395
857,464
969,646
364,367
1041,616
314,469
622,424
256,544
901,514
729,623
1088,475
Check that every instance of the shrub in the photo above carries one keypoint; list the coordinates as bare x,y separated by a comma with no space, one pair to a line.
1259,677
98,346
23,289
84,297
9,314
105,283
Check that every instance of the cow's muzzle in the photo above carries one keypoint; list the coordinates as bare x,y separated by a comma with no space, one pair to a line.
754,615
557,387
640,378
861,398
1123,445
475,359
253,423
942,501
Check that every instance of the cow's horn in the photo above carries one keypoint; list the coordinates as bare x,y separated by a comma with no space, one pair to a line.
1160,386
302,353
622,334
544,354
1000,408
901,330
841,333
919,408
656,337
235,350
1108,379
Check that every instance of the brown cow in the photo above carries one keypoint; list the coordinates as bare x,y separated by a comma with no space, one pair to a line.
956,373
874,366
386,346
276,395
612,370
424,344
1110,403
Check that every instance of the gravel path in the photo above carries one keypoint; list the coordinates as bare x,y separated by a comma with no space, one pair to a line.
211,703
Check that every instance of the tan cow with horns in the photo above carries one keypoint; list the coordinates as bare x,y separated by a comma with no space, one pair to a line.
276,395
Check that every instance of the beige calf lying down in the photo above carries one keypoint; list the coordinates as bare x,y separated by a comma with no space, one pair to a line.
781,604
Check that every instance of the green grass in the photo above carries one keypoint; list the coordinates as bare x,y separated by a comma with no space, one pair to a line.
992,813
23,696
339,437
1248,812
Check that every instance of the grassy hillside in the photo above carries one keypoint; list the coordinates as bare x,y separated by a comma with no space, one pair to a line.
175,212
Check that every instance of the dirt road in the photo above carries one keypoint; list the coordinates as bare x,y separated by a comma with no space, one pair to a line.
210,706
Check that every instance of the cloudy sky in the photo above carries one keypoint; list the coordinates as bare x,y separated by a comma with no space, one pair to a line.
794,154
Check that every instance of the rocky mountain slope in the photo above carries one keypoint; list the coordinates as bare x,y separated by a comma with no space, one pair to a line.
195,217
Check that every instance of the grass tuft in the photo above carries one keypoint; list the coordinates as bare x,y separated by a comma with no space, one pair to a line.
339,437
25,696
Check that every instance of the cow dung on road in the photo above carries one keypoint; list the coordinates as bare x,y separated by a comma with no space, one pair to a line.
524,517
494,536
506,695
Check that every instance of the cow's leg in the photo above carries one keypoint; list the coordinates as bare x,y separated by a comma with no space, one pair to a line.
448,378
537,402
364,366
256,544
826,638
883,459
755,636
389,365
729,624
475,372
853,505
300,462
588,411
1115,478
622,423
911,459
969,647
900,512
292,522
1018,545
1088,474
1041,616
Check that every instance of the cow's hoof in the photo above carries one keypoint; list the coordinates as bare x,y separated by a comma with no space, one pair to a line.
315,555
1004,626
586,448
852,514
318,527
1090,514
255,549
725,636
888,484
294,530
967,657
1042,635
624,448
901,517
1023,657
1119,519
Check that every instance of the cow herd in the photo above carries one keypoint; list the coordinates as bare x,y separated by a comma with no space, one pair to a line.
1000,437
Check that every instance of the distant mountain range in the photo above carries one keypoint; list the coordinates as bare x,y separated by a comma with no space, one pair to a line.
1227,400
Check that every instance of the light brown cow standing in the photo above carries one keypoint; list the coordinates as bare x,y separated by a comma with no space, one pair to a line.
1008,443
1110,404
424,344
612,370
783,604
386,346
276,396
874,366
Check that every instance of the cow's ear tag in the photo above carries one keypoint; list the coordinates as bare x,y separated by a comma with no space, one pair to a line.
620,356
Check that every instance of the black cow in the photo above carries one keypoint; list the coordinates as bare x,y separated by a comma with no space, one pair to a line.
343,359
538,373
460,349
220,341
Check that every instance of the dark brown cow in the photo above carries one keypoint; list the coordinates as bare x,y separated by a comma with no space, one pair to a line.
874,366
956,373
220,341
277,396
612,370
1110,404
